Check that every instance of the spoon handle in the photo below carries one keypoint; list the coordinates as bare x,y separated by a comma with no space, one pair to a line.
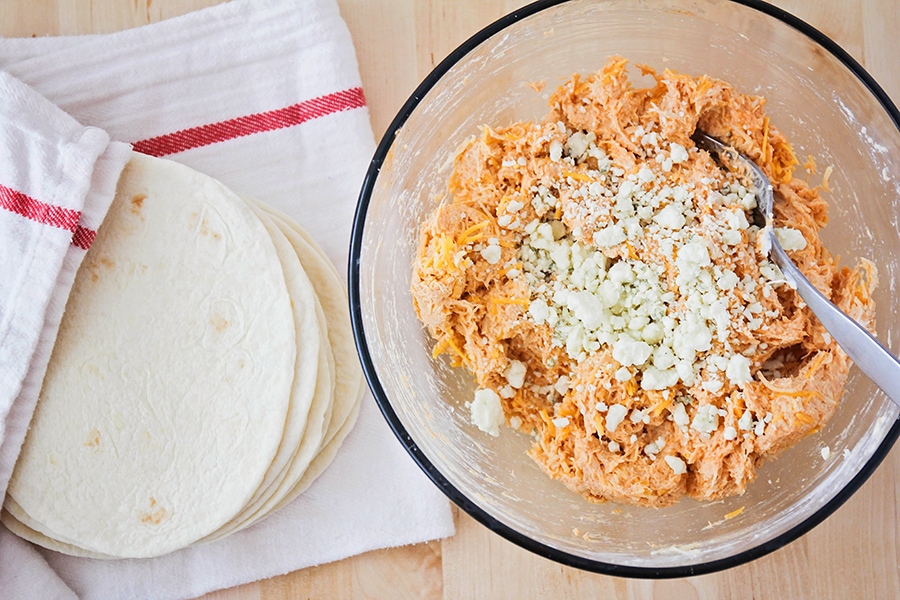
867,353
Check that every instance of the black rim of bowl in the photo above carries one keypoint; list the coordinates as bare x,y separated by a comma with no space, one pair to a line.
410,444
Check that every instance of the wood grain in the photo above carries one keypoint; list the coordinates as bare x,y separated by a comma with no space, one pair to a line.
853,554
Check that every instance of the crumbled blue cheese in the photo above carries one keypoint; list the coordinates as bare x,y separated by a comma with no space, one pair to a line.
578,143
706,419
790,239
658,379
745,423
690,337
491,253
637,416
539,310
486,411
727,281
586,307
556,150
515,373
691,258
676,464
738,369
594,291
670,217
561,422
680,416
712,385
614,416
610,236
759,428
631,352
645,175
653,448
772,273
678,153
621,272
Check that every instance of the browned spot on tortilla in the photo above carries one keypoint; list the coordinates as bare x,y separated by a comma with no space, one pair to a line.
205,230
154,517
219,322
94,267
93,439
137,202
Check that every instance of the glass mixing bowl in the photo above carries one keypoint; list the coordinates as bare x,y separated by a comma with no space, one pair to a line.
823,101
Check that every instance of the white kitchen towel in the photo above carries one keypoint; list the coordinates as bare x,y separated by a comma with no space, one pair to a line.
265,96
57,180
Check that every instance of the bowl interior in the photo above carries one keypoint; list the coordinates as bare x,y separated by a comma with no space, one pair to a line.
813,97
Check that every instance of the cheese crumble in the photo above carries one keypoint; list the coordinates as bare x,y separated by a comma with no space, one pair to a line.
604,280
487,414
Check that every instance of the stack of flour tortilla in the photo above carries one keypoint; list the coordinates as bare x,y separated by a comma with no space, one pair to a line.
203,376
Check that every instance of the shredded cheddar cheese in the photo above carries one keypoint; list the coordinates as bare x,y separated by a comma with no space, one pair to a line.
471,234
734,513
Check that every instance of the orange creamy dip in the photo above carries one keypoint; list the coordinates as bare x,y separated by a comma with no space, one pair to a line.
599,276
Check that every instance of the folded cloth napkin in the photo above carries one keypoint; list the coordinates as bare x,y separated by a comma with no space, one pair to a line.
57,180
265,96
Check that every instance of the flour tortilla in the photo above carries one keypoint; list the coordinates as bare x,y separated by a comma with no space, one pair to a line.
51,543
15,518
326,455
348,375
318,465
167,393
296,452
349,384
311,395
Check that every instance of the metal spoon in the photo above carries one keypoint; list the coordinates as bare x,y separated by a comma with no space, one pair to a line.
866,352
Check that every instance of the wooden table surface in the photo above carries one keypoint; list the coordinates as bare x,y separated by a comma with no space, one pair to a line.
853,554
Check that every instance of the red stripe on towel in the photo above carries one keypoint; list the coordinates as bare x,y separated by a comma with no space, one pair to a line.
47,214
83,237
186,139
213,133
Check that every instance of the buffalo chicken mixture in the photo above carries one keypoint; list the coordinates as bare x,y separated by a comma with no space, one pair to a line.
601,278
